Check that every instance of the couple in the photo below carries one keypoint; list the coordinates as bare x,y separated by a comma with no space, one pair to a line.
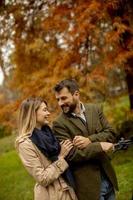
76,160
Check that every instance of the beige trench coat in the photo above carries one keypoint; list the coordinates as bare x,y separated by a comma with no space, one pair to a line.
49,183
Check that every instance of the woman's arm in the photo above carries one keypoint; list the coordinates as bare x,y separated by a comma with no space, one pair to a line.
32,163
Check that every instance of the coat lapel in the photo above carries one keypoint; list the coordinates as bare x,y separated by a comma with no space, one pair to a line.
79,124
89,127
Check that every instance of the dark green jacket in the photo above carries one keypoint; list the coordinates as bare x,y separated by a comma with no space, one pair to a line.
86,164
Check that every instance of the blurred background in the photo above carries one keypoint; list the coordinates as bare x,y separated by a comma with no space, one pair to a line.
45,41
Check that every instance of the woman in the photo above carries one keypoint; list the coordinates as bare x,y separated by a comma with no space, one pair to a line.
41,153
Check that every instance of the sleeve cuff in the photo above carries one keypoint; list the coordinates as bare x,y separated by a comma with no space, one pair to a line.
62,164
92,138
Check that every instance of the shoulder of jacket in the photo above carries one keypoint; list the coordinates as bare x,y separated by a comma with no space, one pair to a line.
60,117
24,142
95,106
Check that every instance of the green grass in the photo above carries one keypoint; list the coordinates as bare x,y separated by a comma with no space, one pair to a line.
117,110
16,183
7,144
123,163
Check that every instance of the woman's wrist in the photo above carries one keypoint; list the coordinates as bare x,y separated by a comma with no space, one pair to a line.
60,157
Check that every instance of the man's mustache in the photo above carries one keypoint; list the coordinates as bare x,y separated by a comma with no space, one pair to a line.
66,105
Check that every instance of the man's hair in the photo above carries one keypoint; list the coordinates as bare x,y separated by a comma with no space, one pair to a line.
70,84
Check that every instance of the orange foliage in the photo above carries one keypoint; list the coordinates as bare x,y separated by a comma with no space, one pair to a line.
41,63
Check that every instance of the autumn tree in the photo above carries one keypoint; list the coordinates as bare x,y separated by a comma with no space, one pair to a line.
56,39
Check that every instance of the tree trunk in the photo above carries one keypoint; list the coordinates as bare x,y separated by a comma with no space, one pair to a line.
129,79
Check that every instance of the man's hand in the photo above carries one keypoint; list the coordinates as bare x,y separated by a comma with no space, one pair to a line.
81,142
107,146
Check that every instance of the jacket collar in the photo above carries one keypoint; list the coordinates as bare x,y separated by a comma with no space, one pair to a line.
85,128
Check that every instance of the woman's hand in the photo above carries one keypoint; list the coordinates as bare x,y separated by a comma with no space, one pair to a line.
66,146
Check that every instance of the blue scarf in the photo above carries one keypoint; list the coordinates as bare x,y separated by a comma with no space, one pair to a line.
48,144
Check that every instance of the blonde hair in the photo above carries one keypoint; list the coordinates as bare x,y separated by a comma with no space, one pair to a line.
27,117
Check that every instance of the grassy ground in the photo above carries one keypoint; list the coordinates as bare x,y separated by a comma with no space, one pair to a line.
16,184
123,163
7,144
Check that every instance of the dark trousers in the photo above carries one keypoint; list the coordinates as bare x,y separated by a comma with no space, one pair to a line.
107,190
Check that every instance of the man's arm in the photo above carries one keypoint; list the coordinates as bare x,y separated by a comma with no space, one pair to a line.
107,133
93,150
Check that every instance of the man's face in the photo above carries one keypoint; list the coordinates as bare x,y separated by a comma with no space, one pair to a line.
66,100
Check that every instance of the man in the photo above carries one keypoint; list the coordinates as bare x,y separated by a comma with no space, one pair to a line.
92,136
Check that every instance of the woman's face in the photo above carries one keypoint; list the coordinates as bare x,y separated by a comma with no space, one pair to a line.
42,115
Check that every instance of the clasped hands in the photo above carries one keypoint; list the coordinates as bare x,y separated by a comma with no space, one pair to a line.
79,141
82,142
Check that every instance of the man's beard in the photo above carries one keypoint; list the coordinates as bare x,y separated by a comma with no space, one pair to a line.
68,108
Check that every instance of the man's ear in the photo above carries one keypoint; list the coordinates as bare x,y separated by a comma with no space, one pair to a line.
76,93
